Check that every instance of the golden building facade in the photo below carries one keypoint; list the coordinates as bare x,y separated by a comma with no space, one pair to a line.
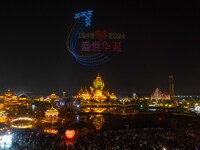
10,99
96,93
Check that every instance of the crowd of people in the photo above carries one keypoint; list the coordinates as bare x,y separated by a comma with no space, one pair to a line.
144,139
123,139
37,141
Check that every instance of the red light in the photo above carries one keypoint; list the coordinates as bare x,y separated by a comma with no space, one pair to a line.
70,134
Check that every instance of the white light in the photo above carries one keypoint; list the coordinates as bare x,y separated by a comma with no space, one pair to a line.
6,141
77,118
33,107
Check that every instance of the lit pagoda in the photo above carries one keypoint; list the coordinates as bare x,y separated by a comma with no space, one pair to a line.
97,93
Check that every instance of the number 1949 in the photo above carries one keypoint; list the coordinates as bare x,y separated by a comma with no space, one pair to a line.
84,35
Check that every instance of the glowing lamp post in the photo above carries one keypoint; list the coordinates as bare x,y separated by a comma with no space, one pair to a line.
70,134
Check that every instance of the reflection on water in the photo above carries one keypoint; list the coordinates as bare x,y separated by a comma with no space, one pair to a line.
98,121
92,123
98,109
51,130
152,109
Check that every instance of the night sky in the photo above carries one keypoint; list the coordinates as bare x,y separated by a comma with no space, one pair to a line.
162,38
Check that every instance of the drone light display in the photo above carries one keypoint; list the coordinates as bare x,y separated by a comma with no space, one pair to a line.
90,48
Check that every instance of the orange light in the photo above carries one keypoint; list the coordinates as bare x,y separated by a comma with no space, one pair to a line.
69,134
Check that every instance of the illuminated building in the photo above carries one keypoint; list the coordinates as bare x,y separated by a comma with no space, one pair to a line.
9,99
50,98
64,94
126,99
171,87
53,96
113,96
1,104
3,116
84,94
98,83
97,93
99,96
134,96
51,114
158,95
22,98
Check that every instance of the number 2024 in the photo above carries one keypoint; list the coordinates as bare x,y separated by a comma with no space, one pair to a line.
116,36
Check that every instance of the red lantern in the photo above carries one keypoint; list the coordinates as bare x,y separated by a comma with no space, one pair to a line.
69,134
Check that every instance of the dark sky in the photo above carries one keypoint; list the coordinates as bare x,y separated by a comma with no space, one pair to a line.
162,38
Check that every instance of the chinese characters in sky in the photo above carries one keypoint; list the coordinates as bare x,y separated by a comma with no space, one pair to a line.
101,41
100,46
92,47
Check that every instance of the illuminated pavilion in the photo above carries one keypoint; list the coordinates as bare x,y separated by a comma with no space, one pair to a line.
51,114
97,92
10,99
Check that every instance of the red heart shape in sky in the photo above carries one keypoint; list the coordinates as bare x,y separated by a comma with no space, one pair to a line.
101,35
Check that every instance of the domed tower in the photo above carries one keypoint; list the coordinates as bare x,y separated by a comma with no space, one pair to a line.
98,83
8,93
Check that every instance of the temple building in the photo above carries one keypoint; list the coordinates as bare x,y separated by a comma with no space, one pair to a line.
97,92
51,115
52,97
10,99
158,95
84,94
